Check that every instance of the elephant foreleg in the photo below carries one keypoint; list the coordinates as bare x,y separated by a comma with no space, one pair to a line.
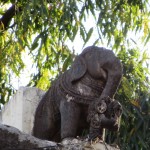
70,115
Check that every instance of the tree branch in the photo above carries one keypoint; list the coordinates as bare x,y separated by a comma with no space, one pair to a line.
6,18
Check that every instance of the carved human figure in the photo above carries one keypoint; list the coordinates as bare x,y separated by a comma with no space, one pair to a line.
62,113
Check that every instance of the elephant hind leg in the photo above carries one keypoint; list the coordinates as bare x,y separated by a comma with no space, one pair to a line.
46,130
47,120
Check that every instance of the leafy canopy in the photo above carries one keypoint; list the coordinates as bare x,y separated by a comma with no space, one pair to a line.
41,29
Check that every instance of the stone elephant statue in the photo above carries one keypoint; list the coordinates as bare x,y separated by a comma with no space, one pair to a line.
62,113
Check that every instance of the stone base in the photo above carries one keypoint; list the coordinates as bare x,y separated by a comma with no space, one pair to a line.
12,138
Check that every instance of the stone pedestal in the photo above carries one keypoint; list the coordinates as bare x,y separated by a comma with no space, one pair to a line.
19,111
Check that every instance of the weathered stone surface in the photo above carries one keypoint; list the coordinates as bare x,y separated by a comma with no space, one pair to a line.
12,138
86,145
19,111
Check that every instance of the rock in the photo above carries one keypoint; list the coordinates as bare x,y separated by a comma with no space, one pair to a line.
86,145
11,138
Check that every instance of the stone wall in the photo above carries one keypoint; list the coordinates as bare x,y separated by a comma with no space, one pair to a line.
19,111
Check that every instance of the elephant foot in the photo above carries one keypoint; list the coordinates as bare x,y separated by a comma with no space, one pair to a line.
95,134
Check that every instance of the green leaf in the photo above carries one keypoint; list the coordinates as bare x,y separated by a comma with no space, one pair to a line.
34,45
96,42
88,35
147,39
82,33
66,63
127,87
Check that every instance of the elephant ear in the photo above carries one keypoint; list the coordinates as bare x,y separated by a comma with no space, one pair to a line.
78,69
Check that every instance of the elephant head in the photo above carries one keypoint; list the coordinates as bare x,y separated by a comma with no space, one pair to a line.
100,64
